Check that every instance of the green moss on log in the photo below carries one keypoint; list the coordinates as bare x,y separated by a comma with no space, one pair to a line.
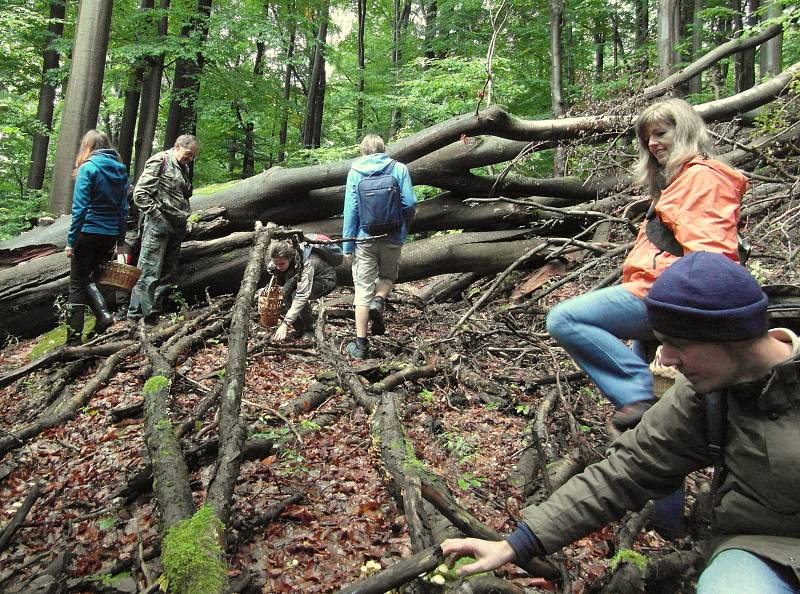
629,556
192,556
155,384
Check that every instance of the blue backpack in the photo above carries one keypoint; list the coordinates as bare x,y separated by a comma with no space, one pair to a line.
379,208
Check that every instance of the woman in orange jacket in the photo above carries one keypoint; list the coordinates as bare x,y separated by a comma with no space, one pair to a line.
695,207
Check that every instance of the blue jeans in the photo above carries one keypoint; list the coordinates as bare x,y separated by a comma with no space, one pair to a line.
591,328
743,572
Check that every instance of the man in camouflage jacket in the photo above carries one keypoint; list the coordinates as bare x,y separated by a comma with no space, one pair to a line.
162,195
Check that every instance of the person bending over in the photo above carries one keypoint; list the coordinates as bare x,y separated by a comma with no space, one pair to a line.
304,275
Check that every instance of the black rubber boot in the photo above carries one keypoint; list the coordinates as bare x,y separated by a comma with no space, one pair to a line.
75,313
103,317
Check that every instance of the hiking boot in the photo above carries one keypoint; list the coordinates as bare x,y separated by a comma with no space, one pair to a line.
376,316
358,350
103,317
629,415
75,314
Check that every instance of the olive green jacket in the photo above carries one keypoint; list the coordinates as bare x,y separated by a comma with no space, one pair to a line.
757,504
164,185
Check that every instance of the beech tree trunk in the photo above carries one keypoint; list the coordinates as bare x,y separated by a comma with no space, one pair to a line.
399,26
47,95
287,84
82,100
182,118
317,74
642,21
361,15
668,35
151,97
127,127
696,83
770,56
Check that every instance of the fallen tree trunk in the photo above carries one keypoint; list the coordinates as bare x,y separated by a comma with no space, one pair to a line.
27,309
449,169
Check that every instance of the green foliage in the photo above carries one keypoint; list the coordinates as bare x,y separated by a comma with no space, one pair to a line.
308,425
468,481
18,211
628,556
522,409
106,523
193,559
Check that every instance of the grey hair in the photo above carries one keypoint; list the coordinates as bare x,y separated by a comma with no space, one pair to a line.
690,140
187,141
282,249
372,143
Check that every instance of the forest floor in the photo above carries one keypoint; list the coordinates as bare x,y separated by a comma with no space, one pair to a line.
471,428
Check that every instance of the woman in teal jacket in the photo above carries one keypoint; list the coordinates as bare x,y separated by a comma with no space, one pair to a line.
99,215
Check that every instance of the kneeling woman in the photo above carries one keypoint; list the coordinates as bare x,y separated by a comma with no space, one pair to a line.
304,275
99,217
695,202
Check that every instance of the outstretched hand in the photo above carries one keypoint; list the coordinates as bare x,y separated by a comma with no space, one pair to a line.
280,333
489,554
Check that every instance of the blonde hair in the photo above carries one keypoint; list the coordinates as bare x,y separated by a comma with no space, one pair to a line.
690,139
93,140
372,143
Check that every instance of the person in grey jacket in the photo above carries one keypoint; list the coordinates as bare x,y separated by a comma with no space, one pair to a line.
162,196
711,317
304,276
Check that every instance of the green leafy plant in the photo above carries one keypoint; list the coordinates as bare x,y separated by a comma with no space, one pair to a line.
469,481
425,395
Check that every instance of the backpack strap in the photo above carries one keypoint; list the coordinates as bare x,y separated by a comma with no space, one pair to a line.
664,239
716,409
660,235
386,170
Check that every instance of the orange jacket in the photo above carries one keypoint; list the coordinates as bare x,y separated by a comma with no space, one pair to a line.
701,207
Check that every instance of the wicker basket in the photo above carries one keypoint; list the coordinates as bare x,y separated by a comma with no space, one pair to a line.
270,303
118,276
663,375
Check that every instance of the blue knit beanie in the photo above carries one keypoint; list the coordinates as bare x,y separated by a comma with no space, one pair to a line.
707,297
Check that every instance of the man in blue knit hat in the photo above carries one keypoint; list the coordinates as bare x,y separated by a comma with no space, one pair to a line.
711,317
